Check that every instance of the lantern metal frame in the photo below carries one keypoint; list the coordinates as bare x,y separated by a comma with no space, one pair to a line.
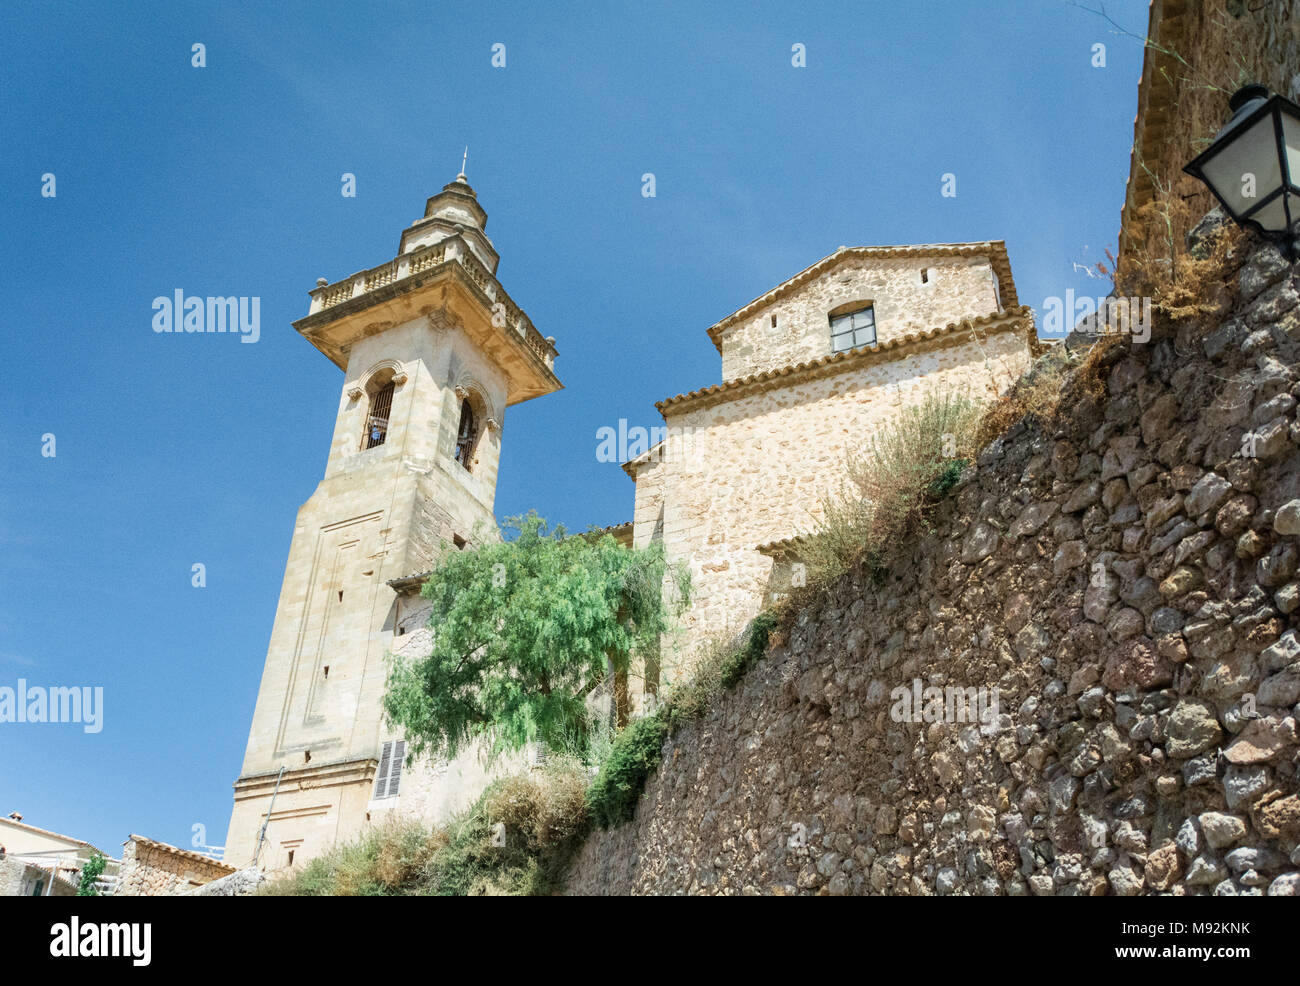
1249,105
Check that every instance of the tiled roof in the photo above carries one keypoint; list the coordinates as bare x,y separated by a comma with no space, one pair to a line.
782,546
196,857
995,250
732,389
614,529
52,835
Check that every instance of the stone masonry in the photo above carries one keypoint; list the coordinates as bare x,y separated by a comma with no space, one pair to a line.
155,869
751,461
433,340
1125,583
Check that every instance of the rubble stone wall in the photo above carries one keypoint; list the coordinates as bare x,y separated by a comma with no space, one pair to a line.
1124,583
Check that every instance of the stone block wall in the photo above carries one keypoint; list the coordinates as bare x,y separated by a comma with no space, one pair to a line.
758,468
1125,583
154,869
953,288
17,879
1230,42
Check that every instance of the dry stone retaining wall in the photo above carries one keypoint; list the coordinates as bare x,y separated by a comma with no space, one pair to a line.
1127,584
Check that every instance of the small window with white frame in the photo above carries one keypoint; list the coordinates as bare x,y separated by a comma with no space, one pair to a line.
852,329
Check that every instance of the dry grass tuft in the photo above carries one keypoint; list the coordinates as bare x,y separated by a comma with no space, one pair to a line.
913,460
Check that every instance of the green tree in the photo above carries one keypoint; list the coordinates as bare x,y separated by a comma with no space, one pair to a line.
523,629
89,874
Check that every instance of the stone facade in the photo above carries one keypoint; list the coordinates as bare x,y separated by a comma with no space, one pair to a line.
23,879
751,461
155,869
911,289
435,329
1124,583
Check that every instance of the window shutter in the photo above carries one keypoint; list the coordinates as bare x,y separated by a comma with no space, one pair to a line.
381,776
389,776
395,768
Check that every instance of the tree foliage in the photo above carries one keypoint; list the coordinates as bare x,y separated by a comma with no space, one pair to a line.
91,872
523,629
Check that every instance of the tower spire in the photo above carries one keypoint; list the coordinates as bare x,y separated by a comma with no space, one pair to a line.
464,159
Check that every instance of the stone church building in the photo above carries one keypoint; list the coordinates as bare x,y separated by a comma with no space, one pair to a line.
810,369
433,350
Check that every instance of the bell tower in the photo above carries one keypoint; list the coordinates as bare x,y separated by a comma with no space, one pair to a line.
433,351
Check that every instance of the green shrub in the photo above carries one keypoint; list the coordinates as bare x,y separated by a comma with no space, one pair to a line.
636,752
754,647
947,479
613,795
517,839
90,873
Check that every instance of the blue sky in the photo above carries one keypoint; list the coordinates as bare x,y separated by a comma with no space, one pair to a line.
225,180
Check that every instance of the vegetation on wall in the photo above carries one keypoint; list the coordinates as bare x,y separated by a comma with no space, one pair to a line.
634,757
913,460
517,839
525,629
1197,61
636,752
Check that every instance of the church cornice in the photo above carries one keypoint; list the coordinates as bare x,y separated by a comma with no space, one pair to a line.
1018,319
373,301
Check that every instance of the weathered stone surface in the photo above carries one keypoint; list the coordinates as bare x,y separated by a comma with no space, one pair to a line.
1127,580
1243,785
1222,830
1192,728
1279,818
1163,867
241,883
1262,740
1281,689
979,544
1208,493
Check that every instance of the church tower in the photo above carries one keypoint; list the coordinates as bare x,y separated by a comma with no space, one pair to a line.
433,351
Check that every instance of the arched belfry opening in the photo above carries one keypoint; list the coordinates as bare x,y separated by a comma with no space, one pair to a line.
379,390
467,435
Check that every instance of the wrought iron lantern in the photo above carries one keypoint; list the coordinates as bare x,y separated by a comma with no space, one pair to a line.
1253,166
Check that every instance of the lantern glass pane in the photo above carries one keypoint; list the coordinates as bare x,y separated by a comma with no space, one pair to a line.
1247,170
1291,138
1273,217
